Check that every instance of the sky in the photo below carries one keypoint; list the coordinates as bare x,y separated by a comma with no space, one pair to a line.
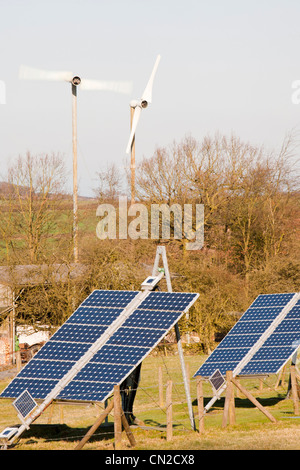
226,66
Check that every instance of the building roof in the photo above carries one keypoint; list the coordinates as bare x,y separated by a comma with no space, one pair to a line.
33,274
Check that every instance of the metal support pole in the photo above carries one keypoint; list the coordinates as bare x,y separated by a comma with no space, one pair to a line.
161,251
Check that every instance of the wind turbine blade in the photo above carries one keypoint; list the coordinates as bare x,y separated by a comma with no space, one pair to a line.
135,120
30,73
118,87
147,95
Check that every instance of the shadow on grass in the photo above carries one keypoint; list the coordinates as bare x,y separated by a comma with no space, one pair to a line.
63,431
155,425
243,402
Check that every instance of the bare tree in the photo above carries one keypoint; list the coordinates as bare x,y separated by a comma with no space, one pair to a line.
109,183
37,183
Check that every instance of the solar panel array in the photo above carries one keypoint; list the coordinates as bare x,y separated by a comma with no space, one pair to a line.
270,328
119,354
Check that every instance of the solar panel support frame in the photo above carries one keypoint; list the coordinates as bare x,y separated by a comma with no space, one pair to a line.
161,253
255,348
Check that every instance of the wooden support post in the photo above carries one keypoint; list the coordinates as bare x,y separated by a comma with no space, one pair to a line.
200,402
229,410
94,428
127,429
253,400
117,417
160,387
294,390
169,410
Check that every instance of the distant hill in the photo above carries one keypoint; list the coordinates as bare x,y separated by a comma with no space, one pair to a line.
7,188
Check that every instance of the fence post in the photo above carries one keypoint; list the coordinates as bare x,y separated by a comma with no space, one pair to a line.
169,410
117,417
160,387
200,401
229,411
294,390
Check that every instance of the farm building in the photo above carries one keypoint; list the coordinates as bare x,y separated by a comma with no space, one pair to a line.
13,279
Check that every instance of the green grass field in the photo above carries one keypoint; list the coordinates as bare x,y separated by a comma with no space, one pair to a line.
62,427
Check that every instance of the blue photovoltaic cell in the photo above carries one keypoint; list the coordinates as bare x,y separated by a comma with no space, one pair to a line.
46,369
283,339
62,351
94,316
85,391
96,372
38,388
256,313
115,359
228,355
136,337
239,341
289,325
259,367
250,327
152,319
207,369
269,353
78,333
112,353
294,312
272,300
177,301
247,331
111,298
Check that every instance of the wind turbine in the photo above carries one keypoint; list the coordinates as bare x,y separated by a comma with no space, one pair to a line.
30,73
136,107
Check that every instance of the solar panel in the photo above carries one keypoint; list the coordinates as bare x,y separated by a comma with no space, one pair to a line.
217,380
261,341
107,336
24,404
278,347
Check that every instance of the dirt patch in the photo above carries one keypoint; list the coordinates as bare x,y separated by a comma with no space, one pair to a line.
7,372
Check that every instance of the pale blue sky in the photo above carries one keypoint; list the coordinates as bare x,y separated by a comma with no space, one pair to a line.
226,66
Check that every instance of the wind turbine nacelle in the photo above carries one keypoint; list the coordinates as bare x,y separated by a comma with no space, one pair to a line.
76,81
140,103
